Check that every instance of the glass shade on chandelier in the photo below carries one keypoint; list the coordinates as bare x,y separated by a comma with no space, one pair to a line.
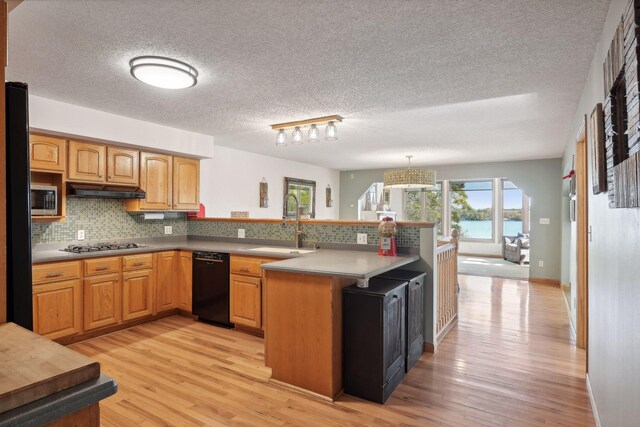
314,134
331,132
281,138
296,136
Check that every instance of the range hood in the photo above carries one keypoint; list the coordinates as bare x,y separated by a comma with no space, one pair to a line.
105,191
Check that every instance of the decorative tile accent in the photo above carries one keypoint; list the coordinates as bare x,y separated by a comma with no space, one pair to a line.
103,219
322,233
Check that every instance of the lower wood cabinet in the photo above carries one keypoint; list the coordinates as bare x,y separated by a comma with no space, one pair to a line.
166,277
102,301
185,286
246,300
57,309
137,294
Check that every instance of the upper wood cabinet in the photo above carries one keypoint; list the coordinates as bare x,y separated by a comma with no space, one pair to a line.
185,287
87,162
47,153
166,277
186,186
123,166
156,172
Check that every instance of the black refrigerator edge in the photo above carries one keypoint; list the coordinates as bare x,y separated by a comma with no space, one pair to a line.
19,294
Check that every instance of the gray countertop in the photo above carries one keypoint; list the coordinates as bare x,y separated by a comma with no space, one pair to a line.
347,263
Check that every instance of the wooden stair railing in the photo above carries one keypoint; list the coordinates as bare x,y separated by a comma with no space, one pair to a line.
447,285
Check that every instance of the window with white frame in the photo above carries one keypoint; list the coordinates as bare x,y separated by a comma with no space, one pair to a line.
515,209
472,208
424,205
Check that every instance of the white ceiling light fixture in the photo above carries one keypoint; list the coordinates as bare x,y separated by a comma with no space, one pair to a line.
296,136
313,135
410,177
281,138
165,73
331,132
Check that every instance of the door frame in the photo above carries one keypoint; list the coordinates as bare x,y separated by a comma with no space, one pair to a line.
582,241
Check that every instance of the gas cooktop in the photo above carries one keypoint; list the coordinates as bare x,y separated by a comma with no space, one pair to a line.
96,247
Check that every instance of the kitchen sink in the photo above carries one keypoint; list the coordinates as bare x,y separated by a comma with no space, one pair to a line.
282,250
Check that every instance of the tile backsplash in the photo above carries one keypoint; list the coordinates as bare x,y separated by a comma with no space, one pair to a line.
103,219
320,233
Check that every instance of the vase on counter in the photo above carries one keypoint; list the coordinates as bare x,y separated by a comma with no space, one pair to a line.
387,231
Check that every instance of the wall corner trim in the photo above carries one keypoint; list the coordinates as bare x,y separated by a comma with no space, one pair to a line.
594,409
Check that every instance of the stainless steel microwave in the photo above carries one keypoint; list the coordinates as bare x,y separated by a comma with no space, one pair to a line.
44,200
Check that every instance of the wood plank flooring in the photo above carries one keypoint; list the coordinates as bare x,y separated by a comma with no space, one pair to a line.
510,361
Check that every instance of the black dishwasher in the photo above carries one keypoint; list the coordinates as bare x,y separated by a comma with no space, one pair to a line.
211,288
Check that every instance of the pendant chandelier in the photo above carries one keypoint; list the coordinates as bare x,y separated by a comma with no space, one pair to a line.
410,177
313,134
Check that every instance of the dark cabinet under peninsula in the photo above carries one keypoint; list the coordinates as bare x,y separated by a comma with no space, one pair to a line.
374,338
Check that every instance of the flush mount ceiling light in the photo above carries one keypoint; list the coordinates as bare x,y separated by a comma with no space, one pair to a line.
313,136
163,72
410,177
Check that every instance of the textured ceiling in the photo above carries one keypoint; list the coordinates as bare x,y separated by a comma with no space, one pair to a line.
449,82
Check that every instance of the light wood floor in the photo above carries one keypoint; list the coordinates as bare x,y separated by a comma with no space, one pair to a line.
509,362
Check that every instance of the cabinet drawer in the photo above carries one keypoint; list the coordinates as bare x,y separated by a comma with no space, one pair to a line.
97,266
55,272
249,266
137,262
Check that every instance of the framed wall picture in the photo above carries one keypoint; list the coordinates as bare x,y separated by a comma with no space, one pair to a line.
596,142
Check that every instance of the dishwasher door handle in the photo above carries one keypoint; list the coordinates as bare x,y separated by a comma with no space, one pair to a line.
209,260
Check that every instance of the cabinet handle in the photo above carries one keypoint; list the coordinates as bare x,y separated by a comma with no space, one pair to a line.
99,176
243,268
117,279
395,296
102,268
50,275
138,264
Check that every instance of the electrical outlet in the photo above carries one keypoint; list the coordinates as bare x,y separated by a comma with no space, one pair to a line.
168,229
80,234
361,238
544,221
240,233
540,263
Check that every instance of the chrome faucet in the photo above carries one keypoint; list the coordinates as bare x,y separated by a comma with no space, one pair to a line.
297,236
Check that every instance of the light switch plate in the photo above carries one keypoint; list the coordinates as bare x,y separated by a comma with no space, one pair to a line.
240,233
168,229
361,238
540,263
80,234
544,221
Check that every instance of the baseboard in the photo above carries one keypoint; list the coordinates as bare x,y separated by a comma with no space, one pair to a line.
551,282
443,333
481,255
594,409
429,347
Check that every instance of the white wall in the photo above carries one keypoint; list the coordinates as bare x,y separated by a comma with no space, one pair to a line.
230,182
614,270
55,117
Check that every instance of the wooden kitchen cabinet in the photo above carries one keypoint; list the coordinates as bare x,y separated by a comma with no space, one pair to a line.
87,162
47,153
137,294
246,300
156,174
57,309
166,278
186,177
102,301
123,166
185,286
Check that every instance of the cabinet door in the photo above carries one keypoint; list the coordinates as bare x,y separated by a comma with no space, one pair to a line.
123,166
102,301
185,287
245,301
156,171
57,309
166,277
186,181
47,153
137,294
87,162
394,333
415,316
